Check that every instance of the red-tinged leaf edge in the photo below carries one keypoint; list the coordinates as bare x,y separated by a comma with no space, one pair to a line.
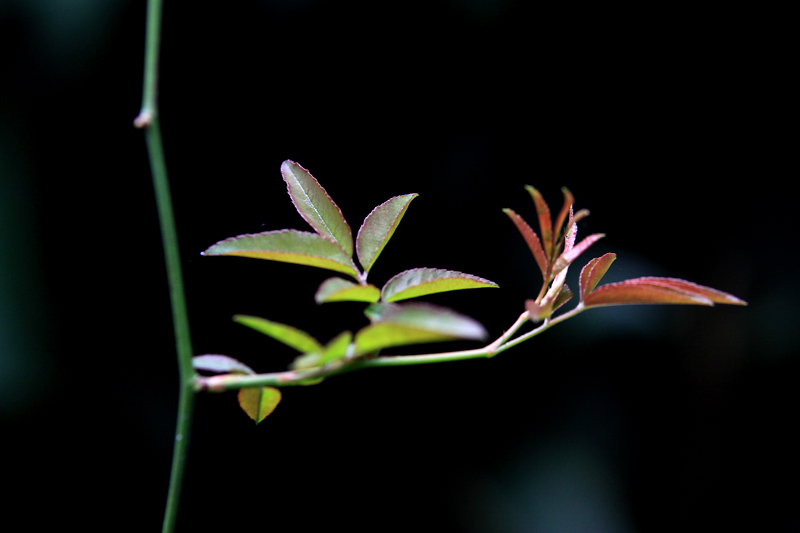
220,364
593,272
545,221
637,291
316,206
562,216
566,259
531,239
259,402
378,228
688,287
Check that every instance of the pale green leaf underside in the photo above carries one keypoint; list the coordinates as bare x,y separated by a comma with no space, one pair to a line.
421,281
386,335
259,402
288,246
340,290
221,364
288,335
315,206
378,228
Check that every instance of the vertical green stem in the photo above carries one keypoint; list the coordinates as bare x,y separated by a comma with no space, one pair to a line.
148,120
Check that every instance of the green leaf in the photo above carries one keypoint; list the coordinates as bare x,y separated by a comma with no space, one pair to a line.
335,349
378,228
422,281
398,325
315,206
221,364
288,246
593,272
340,290
289,335
259,402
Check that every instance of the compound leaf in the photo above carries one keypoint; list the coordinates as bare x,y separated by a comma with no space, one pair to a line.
315,206
421,281
221,364
288,335
339,290
288,246
378,228
259,402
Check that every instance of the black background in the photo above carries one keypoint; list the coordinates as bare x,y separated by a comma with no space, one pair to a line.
667,123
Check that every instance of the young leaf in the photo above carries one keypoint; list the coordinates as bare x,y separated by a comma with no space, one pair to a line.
593,272
258,402
693,288
288,246
221,364
335,349
633,291
315,206
378,228
398,325
566,259
562,216
422,281
531,239
288,335
563,297
545,222
340,290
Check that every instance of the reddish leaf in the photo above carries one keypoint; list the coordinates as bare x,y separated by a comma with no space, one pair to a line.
562,216
315,206
531,239
593,272
565,259
563,297
536,312
693,288
545,222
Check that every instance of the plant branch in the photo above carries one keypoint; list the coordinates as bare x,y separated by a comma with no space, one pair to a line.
149,122
224,382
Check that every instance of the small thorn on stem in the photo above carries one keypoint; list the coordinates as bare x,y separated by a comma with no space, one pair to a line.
144,119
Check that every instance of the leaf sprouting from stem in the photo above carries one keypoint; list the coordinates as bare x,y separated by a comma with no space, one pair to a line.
259,402
341,290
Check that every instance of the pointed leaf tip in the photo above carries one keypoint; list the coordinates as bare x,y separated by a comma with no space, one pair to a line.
259,402
288,335
378,228
545,221
531,239
593,272
341,290
220,364
316,206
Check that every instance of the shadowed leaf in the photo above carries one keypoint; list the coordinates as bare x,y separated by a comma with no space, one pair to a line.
221,364
288,335
545,222
315,206
340,290
593,272
288,246
531,239
378,228
536,313
335,349
259,402
563,297
398,325
421,281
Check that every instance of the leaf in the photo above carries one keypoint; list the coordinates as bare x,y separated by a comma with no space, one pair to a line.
566,259
221,364
652,290
288,246
531,239
339,290
259,402
378,228
288,335
422,281
398,325
337,347
562,216
593,272
563,297
315,206
545,221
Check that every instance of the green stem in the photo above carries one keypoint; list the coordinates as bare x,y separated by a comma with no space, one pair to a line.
148,120
294,377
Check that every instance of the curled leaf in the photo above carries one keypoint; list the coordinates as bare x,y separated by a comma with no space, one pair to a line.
259,402
531,239
652,290
316,207
288,246
221,364
421,281
593,272
378,228
340,290
288,335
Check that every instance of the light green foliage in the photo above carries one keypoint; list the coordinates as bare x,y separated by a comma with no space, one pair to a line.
259,402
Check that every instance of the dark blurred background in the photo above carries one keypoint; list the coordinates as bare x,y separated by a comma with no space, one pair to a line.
668,123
